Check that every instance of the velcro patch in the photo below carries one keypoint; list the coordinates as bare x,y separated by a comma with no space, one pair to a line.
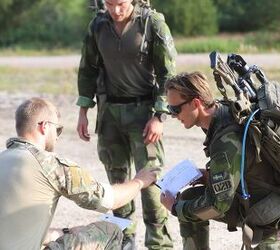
221,186
221,182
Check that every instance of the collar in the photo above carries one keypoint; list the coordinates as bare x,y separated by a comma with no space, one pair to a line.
18,141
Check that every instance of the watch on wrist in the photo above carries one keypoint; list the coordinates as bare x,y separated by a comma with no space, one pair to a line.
66,230
173,210
161,116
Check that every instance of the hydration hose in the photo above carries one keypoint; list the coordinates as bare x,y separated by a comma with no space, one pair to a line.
245,194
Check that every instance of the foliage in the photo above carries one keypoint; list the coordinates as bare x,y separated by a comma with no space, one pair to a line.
240,15
51,24
58,23
187,17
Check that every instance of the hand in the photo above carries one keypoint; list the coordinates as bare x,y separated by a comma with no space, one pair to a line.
153,130
82,127
52,235
147,176
204,179
167,199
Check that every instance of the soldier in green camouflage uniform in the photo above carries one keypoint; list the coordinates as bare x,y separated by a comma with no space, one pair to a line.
190,101
126,71
33,178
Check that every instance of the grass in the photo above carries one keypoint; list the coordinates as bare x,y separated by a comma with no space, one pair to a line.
254,42
51,81
64,81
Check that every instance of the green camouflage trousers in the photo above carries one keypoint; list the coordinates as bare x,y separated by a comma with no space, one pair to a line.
120,145
95,236
195,235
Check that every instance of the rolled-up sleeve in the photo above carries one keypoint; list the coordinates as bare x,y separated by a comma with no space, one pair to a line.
76,184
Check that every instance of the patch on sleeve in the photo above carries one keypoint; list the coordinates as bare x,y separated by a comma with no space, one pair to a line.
221,182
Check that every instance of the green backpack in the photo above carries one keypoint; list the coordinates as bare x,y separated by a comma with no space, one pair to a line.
256,106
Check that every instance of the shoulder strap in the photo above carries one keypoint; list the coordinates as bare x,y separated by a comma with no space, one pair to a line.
145,17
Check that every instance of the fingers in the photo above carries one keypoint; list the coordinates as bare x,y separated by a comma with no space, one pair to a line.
83,133
152,138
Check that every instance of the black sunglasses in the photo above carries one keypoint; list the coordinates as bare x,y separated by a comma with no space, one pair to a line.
176,109
59,127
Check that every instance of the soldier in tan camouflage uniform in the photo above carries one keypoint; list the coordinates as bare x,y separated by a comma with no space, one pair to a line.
191,102
32,179
127,56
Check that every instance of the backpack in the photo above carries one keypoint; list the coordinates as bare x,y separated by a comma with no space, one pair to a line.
255,106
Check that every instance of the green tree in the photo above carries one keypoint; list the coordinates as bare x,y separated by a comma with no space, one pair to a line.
49,23
240,15
188,17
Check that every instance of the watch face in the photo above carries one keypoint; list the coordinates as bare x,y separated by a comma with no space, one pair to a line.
163,117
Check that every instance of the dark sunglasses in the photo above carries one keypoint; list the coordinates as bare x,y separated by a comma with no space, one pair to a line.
59,127
176,109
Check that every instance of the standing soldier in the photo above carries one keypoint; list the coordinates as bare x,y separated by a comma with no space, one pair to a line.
127,56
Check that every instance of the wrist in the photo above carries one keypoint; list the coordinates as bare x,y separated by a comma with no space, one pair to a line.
161,116
139,183
83,110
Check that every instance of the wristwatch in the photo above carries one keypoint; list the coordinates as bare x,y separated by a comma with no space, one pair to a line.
161,116
66,230
173,210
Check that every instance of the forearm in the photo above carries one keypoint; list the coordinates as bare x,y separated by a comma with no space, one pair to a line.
125,192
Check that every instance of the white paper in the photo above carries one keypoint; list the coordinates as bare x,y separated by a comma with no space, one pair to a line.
181,175
121,222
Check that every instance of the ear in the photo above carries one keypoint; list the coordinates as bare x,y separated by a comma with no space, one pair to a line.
197,102
42,127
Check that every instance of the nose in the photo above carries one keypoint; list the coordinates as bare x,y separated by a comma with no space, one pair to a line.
117,10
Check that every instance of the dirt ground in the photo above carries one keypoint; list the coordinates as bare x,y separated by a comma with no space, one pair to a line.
179,144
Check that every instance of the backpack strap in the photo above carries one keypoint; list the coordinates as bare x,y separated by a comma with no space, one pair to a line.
146,13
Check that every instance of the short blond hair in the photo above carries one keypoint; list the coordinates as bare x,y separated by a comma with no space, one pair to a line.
190,86
31,112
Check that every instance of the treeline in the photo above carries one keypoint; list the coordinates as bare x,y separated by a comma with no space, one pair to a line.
63,23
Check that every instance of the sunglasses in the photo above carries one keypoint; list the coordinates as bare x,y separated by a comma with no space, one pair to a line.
59,127
176,109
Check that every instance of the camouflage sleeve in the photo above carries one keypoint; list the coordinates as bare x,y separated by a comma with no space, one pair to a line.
88,70
223,181
77,185
164,55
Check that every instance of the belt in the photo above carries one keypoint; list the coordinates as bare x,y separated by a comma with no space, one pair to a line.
128,99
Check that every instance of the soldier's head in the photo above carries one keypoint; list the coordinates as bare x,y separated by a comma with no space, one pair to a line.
37,120
119,10
189,98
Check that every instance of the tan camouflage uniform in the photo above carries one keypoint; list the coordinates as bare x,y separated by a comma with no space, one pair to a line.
31,182
128,74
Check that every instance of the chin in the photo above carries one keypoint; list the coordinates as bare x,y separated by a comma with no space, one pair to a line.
188,126
118,19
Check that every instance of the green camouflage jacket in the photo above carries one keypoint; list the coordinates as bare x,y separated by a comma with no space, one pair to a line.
126,73
223,146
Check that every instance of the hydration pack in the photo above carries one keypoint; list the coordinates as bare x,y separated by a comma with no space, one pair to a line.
256,104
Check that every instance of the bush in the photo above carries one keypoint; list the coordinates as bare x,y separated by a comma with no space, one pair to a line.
49,22
188,17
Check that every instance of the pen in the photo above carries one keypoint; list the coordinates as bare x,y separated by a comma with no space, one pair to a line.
157,185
